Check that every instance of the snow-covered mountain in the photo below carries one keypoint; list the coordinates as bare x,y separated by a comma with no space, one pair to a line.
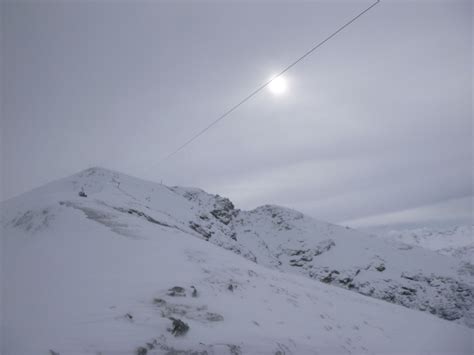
455,241
290,241
101,262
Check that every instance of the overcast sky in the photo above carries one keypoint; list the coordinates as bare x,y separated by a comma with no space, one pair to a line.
375,127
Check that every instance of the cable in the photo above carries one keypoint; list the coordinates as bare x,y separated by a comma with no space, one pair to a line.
260,88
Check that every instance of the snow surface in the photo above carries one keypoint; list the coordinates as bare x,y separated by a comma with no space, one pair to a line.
456,241
92,275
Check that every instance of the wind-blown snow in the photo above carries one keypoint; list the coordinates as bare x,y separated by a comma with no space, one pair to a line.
95,274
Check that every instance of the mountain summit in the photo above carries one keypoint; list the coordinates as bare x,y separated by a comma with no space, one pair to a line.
101,262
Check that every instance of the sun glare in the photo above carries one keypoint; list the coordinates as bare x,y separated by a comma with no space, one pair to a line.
277,86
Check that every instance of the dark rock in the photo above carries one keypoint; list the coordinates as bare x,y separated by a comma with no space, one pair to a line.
330,278
345,281
409,277
297,263
138,213
324,246
234,349
224,210
159,301
179,328
296,252
388,297
152,345
199,229
222,216
408,290
177,291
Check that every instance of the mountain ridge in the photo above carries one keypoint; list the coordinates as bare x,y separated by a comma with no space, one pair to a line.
107,228
290,241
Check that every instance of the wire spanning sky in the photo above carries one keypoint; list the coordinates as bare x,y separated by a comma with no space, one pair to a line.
276,84
375,128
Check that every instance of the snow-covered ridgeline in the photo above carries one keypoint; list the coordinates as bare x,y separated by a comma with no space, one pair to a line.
103,262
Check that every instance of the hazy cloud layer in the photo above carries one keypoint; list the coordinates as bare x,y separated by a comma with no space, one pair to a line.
378,122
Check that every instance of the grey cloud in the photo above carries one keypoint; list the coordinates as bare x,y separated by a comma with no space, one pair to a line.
378,121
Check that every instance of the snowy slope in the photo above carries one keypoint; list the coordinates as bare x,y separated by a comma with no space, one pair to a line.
456,241
89,275
290,241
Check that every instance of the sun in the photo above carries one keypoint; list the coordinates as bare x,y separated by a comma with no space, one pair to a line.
277,86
